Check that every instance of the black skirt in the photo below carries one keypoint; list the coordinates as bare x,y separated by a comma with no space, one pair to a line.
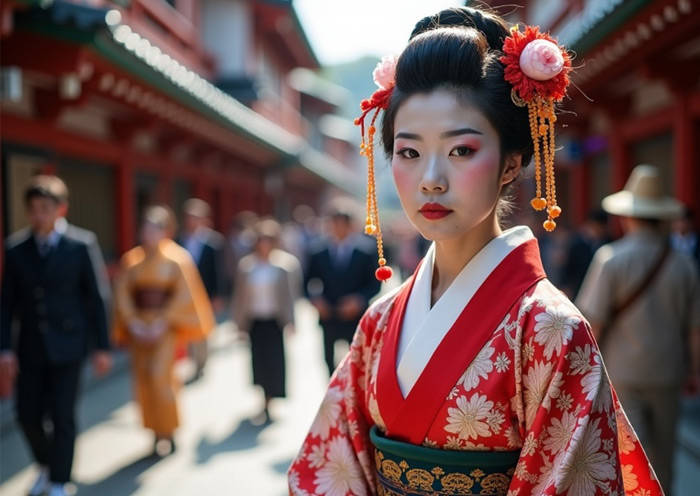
267,350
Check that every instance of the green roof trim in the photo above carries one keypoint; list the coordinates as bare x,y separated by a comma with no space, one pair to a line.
87,25
245,122
297,25
304,38
589,36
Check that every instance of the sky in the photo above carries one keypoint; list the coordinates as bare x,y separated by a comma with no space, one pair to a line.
345,30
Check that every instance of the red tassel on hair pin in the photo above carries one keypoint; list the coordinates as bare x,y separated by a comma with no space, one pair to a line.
384,77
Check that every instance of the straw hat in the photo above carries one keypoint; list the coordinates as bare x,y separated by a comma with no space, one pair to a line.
642,197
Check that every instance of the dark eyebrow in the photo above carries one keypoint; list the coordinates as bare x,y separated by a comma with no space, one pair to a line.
446,134
408,136
459,132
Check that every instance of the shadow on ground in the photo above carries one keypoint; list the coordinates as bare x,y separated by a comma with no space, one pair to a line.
126,479
103,401
243,438
282,466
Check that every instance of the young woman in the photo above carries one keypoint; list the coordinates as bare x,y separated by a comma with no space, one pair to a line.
160,301
268,282
476,376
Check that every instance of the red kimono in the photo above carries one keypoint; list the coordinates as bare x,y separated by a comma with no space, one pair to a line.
533,381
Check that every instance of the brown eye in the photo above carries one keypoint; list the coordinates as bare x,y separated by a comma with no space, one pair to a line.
407,153
461,151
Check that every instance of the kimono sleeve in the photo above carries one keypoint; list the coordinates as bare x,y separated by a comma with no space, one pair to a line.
124,308
189,310
335,458
576,440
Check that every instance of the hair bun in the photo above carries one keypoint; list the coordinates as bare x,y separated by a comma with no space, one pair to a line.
489,24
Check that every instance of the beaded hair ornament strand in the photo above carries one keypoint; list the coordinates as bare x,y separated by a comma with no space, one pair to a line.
384,77
537,67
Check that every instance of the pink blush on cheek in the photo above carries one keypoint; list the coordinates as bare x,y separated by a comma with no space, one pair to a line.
402,180
482,171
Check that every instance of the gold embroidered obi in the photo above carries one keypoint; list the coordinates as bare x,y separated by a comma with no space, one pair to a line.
408,470
152,298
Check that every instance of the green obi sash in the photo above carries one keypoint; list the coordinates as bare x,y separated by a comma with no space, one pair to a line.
408,470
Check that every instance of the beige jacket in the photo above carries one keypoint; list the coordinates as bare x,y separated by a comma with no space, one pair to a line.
647,343
288,288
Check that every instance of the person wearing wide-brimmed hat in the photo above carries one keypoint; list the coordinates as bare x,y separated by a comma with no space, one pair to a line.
644,344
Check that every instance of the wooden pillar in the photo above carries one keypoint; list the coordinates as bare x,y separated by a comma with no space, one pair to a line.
579,189
619,159
126,204
685,152
3,167
200,184
7,11
224,208
166,184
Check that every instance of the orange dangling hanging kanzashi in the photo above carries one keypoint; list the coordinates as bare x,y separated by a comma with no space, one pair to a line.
542,121
538,70
384,77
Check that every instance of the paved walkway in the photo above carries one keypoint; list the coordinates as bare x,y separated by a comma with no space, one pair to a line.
220,452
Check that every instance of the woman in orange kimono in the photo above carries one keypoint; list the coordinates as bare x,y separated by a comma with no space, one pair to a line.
160,304
476,376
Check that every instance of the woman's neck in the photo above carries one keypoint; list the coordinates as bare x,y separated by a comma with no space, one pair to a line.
451,256
150,251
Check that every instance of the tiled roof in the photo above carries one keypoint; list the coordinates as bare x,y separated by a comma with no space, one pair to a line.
104,29
598,19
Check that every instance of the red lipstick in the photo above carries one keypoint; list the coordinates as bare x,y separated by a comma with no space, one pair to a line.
434,211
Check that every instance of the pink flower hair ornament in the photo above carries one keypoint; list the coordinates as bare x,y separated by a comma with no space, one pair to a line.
384,77
538,69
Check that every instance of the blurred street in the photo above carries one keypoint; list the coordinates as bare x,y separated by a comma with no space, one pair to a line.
219,451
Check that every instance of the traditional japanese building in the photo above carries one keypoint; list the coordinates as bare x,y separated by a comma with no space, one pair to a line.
635,96
141,101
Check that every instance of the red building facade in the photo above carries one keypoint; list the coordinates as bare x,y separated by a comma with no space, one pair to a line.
142,101
635,96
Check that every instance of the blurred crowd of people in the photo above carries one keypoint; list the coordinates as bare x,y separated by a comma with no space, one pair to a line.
172,289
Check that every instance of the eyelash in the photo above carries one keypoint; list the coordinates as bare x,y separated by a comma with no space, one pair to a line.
404,151
466,151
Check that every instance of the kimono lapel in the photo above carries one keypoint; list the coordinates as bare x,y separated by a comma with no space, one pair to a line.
425,327
389,396
409,419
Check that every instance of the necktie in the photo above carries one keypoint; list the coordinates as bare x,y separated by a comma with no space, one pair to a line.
340,256
44,248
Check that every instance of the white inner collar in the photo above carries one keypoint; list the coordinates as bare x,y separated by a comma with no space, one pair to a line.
424,327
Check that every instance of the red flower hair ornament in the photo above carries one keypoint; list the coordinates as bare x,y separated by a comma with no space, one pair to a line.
538,68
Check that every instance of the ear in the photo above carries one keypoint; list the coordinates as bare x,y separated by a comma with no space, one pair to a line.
62,209
511,170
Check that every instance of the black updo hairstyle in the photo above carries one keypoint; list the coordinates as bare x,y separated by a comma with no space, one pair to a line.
458,50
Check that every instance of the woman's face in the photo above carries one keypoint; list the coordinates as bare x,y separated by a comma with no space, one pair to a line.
151,235
446,166
264,246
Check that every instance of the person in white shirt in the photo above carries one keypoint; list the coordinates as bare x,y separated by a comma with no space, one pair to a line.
268,282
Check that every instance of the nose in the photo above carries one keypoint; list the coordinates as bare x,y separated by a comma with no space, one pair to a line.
434,179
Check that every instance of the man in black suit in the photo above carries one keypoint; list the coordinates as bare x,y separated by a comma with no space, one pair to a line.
55,293
340,280
206,247
592,234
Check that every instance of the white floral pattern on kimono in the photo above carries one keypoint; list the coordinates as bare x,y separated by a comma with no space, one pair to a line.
538,385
